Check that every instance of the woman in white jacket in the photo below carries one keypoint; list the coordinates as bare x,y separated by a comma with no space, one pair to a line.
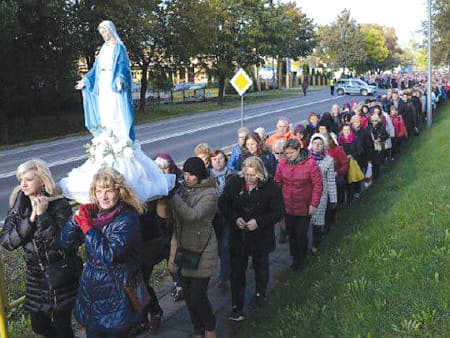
317,148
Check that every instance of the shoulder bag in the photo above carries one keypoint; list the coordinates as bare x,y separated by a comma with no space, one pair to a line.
189,259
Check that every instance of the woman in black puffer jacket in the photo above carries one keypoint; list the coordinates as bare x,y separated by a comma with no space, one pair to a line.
36,215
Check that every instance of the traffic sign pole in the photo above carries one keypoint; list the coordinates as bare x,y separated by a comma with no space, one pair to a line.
241,82
242,110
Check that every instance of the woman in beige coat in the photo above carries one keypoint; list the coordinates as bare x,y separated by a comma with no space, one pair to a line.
194,206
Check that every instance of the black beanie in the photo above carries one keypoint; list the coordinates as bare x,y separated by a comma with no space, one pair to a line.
195,166
326,124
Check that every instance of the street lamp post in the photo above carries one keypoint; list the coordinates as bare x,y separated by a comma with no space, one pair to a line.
429,88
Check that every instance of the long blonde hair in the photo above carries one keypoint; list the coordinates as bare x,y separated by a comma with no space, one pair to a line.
42,170
256,163
111,178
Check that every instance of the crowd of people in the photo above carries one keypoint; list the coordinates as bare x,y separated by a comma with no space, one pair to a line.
222,211
217,214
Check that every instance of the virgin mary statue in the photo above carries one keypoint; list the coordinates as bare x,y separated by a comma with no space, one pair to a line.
109,116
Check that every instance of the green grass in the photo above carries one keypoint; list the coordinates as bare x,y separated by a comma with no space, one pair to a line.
71,123
384,272
156,112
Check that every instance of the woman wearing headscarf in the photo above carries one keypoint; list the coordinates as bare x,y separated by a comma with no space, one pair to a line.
328,199
252,203
37,213
110,230
109,116
301,184
107,87
194,246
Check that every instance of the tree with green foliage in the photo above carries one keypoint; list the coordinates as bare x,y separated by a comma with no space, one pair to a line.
376,48
288,33
236,36
394,50
38,61
87,14
343,43
8,24
441,32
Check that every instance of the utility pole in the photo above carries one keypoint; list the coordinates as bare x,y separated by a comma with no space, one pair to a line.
429,78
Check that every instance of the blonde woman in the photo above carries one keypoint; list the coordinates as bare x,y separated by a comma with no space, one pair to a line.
203,151
252,204
37,212
109,228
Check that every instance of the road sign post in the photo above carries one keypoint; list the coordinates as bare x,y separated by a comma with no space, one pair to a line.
241,82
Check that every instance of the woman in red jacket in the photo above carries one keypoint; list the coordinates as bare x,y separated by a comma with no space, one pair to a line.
301,184
341,163
401,133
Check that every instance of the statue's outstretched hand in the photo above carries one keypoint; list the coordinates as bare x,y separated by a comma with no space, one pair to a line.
80,85
119,86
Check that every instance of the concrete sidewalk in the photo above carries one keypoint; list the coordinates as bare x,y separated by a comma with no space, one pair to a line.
176,320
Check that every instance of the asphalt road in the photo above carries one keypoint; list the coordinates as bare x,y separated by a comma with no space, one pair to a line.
176,136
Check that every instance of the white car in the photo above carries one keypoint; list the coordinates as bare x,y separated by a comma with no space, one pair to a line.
354,86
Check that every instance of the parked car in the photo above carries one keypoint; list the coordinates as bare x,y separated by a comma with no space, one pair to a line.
354,86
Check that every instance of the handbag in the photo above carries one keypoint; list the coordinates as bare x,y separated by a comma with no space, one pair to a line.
189,259
368,176
135,289
62,272
354,173
137,293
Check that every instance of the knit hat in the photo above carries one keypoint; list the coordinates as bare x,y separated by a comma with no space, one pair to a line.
325,123
299,129
196,167
318,135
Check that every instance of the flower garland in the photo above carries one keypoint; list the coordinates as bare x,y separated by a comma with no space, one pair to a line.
107,148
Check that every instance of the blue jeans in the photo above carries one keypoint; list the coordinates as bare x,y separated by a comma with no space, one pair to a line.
224,254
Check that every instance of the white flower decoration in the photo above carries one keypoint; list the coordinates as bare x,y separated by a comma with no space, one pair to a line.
106,148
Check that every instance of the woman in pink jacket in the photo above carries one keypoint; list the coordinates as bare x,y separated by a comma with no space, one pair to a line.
301,184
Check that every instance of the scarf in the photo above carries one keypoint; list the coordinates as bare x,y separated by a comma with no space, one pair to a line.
302,156
105,217
318,156
345,140
220,177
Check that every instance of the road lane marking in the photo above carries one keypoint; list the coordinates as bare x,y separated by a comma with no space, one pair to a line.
182,133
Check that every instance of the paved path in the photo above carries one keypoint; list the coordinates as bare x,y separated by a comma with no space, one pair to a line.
176,320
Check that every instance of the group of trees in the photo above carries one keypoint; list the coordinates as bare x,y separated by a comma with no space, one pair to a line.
43,40
360,47
441,32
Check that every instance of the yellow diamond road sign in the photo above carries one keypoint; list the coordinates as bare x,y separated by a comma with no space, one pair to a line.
241,81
